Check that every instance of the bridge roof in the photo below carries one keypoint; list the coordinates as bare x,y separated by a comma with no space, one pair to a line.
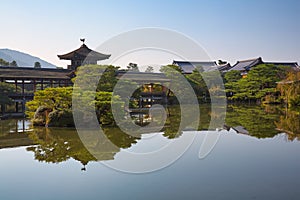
33,73
143,77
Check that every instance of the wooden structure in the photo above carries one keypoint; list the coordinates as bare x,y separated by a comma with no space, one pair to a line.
187,67
244,66
148,96
82,56
28,80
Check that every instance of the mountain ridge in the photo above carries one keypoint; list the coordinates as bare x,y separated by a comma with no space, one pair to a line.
23,59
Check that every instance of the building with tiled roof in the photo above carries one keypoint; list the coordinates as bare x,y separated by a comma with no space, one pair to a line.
187,67
83,55
245,65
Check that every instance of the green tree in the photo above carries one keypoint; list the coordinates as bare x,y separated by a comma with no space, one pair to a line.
290,89
52,98
3,62
259,82
149,69
37,65
133,67
232,76
104,76
169,69
5,89
13,64
198,84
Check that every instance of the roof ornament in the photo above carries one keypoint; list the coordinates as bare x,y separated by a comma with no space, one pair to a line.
82,40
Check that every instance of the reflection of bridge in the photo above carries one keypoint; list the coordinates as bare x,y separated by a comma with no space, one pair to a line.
13,134
15,140
28,80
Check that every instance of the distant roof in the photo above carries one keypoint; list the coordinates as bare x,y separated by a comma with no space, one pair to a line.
188,67
245,65
224,67
30,73
82,52
290,64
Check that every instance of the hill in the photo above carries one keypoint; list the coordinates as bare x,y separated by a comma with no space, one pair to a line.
23,59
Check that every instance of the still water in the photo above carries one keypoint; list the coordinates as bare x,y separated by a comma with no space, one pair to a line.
255,157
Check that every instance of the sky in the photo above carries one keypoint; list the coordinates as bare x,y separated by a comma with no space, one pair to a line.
229,30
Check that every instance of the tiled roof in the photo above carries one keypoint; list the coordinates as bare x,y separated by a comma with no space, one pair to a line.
82,53
224,67
245,65
289,64
29,72
188,67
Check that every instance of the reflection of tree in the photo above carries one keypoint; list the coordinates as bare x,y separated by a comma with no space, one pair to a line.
290,124
119,138
255,119
55,145
172,125
171,128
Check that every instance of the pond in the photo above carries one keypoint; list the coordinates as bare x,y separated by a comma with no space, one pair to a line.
254,156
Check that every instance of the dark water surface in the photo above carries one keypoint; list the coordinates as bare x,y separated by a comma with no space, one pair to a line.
257,158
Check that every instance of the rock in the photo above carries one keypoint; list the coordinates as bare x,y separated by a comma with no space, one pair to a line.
61,118
41,116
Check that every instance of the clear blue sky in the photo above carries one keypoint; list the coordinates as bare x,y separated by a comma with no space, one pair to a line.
228,30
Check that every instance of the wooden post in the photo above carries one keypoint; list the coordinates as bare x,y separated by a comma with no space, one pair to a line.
16,84
23,87
42,84
34,85
17,107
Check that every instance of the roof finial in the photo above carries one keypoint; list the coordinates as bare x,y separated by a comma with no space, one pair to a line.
82,40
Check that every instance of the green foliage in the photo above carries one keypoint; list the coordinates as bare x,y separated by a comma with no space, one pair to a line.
13,64
61,118
37,65
257,120
133,67
149,69
53,98
169,69
59,101
290,89
55,146
259,82
3,62
232,76
198,84
103,102
5,89
290,124
101,76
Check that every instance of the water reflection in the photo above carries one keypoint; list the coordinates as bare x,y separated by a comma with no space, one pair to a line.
55,145
264,121
13,133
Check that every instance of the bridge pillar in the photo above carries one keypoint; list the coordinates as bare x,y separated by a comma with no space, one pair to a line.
23,87
17,107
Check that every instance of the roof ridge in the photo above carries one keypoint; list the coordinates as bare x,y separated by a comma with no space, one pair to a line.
253,59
